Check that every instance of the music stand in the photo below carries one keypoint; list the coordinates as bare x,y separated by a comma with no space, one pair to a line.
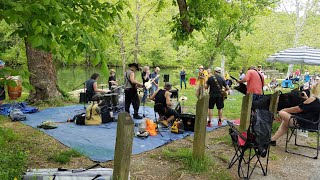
166,78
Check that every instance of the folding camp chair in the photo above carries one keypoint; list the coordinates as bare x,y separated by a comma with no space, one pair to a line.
248,153
310,126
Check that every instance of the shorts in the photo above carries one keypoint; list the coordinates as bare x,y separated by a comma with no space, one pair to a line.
2,94
216,100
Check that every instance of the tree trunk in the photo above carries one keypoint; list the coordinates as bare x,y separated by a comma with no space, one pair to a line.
183,9
42,74
122,53
223,62
136,44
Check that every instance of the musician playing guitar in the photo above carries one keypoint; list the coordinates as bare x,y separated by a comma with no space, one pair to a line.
155,82
145,78
131,93
216,84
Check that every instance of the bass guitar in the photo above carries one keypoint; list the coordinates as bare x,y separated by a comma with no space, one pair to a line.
148,84
241,88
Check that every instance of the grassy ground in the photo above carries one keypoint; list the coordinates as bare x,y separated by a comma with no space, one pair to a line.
24,147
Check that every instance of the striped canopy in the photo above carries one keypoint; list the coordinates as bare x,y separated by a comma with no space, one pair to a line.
300,55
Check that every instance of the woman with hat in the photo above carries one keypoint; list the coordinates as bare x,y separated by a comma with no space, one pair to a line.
130,90
112,78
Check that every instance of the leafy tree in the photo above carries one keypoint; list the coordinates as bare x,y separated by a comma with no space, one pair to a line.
76,25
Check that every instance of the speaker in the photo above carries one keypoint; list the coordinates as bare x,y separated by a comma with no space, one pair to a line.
83,98
166,78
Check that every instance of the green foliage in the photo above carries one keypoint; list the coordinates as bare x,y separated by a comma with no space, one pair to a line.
64,157
13,160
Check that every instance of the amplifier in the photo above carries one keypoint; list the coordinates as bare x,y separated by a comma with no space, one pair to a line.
188,121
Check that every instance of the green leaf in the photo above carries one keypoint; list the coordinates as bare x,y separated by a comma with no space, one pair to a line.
46,2
96,60
129,15
70,57
27,85
34,23
104,69
38,30
36,41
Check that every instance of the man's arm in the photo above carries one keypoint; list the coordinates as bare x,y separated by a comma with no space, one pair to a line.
133,81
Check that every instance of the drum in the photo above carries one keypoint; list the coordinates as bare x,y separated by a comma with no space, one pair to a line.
116,89
115,99
14,92
106,100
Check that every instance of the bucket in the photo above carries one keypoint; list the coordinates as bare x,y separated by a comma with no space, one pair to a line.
14,92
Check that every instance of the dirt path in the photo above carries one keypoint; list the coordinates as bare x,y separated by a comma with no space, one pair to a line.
153,165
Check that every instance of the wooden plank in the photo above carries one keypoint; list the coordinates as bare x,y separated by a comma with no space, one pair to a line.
200,127
245,112
123,149
273,107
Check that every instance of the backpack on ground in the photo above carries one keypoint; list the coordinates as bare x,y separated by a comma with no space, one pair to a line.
93,116
17,115
106,114
79,119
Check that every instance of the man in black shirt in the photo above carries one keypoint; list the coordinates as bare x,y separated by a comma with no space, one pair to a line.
112,79
165,112
93,92
216,83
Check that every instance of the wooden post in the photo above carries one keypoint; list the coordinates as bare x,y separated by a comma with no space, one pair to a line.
273,107
123,149
200,127
245,112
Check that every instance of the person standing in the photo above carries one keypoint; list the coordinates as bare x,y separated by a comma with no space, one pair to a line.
255,82
242,75
2,89
215,84
112,79
183,78
145,78
93,92
155,80
202,79
131,93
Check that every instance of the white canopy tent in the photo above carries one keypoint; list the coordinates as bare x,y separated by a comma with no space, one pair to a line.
300,55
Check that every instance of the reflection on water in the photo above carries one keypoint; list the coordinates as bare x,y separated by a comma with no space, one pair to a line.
74,77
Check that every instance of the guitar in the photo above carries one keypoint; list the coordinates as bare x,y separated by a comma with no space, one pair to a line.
241,88
148,84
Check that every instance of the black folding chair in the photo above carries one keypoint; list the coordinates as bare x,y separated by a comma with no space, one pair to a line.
248,153
308,125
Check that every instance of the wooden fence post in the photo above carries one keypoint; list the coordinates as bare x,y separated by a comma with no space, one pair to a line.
273,107
123,149
200,127
245,112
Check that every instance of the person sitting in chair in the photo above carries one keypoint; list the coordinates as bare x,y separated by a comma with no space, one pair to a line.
309,109
273,84
93,92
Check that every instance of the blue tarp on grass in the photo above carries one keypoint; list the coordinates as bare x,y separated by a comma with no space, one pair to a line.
96,142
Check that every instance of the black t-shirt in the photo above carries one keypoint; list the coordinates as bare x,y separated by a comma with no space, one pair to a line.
111,78
160,98
214,89
89,87
310,111
142,75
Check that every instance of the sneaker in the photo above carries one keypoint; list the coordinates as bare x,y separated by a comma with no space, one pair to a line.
219,123
273,143
136,116
209,125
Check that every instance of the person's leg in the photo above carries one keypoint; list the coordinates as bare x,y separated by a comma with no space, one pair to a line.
181,83
127,100
185,83
284,125
210,115
136,104
145,95
220,106
211,105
